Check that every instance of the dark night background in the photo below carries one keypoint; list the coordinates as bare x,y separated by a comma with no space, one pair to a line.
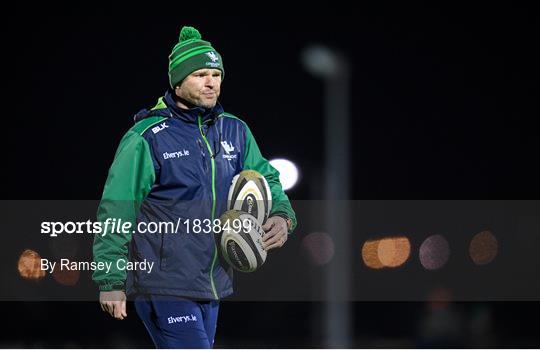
444,105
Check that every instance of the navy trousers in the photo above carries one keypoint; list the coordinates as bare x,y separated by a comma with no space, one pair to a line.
178,323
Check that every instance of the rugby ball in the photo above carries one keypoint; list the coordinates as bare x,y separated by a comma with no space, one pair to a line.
241,241
249,192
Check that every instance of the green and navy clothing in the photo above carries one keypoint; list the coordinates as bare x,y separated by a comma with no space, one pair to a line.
177,163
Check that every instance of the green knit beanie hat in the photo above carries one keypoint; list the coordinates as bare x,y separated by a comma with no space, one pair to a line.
190,54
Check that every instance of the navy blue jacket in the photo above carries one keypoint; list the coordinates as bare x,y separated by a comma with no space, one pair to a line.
175,166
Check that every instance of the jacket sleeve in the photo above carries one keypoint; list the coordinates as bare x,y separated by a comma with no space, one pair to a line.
130,179
253,160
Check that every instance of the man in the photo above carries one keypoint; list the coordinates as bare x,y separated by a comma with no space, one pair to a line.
176,164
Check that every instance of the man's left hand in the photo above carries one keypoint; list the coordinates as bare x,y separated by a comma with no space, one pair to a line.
276,233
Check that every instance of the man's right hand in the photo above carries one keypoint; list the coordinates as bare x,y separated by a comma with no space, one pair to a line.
114,302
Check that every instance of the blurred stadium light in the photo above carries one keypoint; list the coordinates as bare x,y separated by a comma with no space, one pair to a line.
322,61
29,265
288,172
334,68
483,248
318,248
388,252
394,251
434,252
370,254
66,277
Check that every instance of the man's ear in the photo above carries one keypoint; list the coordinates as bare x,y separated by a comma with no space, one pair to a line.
177,90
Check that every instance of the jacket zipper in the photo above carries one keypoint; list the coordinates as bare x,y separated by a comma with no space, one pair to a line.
212,162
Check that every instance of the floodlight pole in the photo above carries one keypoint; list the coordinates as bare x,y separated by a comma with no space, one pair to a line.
334,68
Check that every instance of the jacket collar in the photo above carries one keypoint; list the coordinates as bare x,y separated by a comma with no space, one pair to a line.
191,115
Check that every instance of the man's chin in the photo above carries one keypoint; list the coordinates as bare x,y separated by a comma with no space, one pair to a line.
208,104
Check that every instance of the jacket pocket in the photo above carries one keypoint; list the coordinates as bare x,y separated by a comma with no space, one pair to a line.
162,251
172,245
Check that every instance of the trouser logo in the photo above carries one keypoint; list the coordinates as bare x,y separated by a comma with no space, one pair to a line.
182,319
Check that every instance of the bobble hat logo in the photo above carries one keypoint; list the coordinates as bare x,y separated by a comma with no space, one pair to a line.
212,56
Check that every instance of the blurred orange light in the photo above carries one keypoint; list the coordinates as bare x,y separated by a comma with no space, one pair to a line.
386,252
66,277
394,252
370,254
483,248
29,265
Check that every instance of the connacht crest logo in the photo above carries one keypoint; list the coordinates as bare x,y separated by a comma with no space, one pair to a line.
228,147
212,55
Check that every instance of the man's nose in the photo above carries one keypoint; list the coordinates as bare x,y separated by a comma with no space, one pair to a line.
210,82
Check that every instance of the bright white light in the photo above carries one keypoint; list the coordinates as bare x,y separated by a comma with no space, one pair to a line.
322,61
288,172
